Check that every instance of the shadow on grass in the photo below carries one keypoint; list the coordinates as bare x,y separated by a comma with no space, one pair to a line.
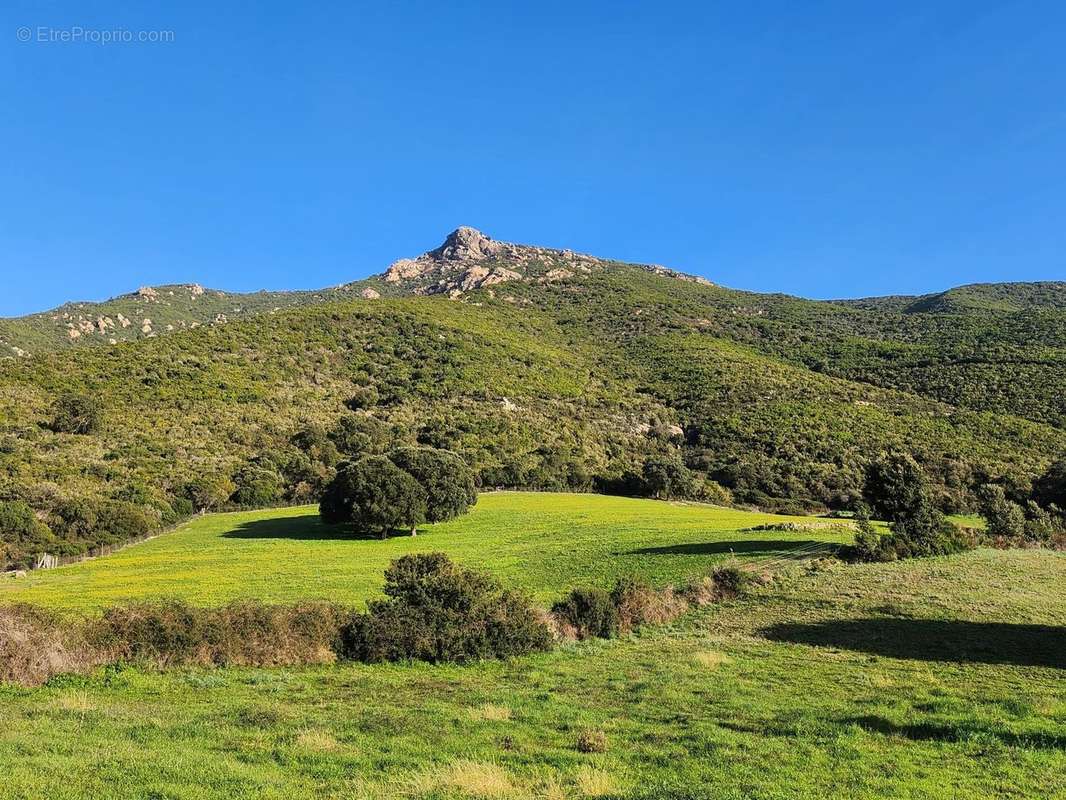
933,732
935,640
300,528
917,732
782,546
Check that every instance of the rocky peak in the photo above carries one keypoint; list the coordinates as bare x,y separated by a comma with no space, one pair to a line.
466,244
469,260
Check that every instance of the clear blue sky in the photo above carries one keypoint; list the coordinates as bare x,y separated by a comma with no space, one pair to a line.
823,149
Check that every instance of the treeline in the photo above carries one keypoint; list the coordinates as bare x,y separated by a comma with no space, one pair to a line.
896,490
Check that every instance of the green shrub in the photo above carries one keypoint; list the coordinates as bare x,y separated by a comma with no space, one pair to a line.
729,581
21,534
589,612
74,413
1004,518
118,521
208,492
182,507
895,486
438,611
246,633
257,485
867,545
362,398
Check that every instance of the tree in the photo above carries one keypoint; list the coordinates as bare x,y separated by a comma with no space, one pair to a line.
22,533
1050,488
75,413
666,477
374,494
895,487
258,484
208,492
358,435
447,480
1004,517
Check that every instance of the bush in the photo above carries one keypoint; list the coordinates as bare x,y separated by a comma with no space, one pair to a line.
246,633
637,603
592,741
438,611
1050,488
257,485
589,612
208,492
182,507
35,646
74,413
117,521
363,397
666,477
729,581
22,533
895,486
1005,518
867,545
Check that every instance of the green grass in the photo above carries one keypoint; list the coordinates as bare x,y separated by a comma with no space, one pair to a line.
939,678
545,543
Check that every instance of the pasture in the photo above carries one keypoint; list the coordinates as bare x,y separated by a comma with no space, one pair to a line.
544,543
938,678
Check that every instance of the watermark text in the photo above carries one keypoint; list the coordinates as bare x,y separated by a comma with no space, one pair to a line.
76,34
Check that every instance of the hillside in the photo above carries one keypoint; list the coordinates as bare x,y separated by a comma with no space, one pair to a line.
545,369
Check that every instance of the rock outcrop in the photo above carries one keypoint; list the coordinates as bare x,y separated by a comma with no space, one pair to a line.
469,260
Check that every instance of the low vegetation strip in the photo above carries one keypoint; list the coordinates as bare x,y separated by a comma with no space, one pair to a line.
539,542
434,611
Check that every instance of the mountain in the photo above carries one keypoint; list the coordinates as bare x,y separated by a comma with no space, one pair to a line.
543,368
467,260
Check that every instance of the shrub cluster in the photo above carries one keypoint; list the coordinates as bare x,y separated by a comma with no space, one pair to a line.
896,489
245,633
438,611
1030,523
591,612
434,610
35,646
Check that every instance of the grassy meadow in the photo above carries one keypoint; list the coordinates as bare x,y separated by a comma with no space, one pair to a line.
938,678
545,543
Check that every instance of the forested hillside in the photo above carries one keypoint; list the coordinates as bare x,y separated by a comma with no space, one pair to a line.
542,368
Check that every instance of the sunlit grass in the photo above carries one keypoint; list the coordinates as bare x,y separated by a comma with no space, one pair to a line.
545,543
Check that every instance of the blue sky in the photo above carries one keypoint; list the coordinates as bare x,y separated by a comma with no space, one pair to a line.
823,149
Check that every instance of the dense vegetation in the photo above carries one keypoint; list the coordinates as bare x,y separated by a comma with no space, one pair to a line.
618,380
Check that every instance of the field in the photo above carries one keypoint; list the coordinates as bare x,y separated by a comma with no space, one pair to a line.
936,678
925,679
544,543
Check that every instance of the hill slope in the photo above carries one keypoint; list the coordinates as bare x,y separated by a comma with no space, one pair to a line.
545,369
